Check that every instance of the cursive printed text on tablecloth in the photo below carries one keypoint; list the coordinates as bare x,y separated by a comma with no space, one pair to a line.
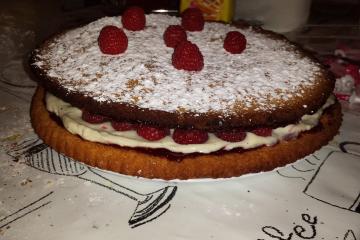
305,230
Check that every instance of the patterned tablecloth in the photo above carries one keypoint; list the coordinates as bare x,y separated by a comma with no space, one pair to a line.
45,195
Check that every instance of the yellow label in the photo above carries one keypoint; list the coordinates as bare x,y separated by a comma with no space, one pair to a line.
213,10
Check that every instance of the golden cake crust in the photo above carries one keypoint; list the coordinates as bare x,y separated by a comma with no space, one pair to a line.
132,162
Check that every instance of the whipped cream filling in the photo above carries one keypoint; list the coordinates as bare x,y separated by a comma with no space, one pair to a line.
106,134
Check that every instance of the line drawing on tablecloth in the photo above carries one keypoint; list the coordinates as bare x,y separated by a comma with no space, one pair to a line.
24,211
346,183
16,73
350,235
10,87
11,92
299,172
306,229
315,171
40,156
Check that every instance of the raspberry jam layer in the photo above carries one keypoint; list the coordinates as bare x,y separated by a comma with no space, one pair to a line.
106,134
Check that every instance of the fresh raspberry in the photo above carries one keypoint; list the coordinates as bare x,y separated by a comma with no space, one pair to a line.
122,126
234,135
134,19
152,133
187,56
92,118
192,19
173,35
235,42
263,132
112,40
353,71
190,136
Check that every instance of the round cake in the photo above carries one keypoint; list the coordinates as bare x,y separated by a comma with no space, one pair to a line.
137,112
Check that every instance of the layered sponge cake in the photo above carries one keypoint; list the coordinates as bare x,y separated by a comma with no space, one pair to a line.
159,99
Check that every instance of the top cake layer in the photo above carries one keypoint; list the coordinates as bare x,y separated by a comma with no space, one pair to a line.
272,82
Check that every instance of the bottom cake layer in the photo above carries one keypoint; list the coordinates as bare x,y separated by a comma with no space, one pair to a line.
140,163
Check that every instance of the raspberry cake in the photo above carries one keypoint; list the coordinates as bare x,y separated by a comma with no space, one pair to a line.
166,97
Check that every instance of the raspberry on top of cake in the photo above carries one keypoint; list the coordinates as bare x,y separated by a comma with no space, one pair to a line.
271,83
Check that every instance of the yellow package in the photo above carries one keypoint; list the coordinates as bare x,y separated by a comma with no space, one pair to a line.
213,10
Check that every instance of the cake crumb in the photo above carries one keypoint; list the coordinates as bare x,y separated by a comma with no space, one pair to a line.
25,181
95,199
87,183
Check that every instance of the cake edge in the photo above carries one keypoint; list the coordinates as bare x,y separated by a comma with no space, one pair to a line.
132,162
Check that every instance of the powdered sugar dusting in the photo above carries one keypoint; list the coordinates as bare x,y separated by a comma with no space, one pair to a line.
144,75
